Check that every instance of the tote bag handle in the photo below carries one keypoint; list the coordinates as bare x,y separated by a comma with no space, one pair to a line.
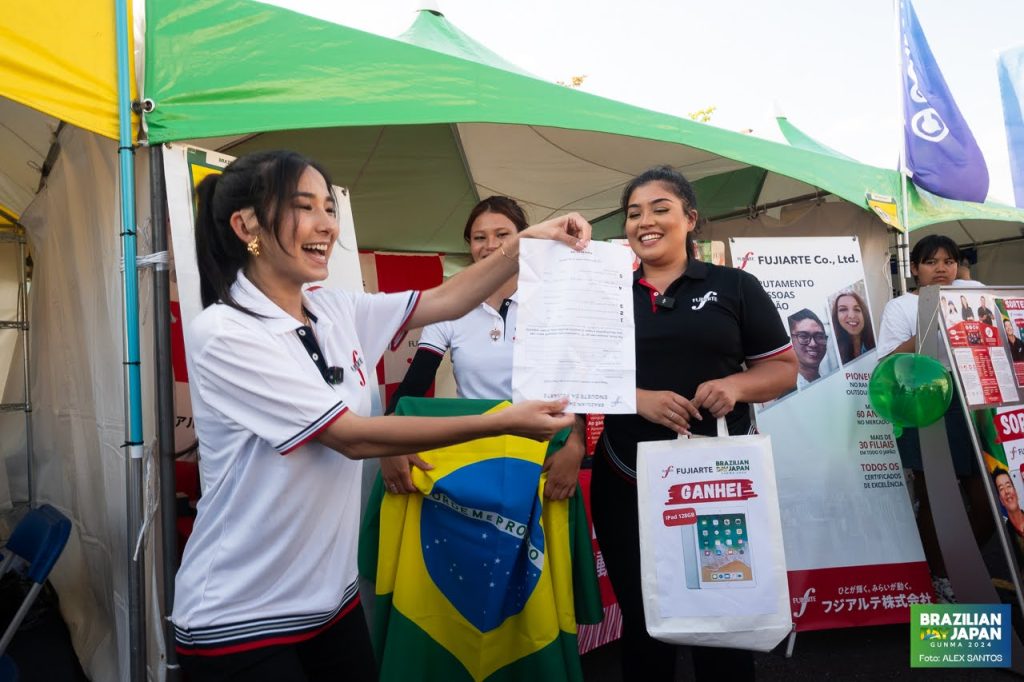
723,430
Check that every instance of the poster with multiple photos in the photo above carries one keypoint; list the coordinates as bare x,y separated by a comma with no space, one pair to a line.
983,330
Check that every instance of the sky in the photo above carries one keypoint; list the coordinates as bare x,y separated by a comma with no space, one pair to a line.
830,66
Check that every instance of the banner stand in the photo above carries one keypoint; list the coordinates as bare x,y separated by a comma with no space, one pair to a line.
968,573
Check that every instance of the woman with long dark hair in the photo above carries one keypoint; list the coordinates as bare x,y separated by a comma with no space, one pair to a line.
852,326
689,371
267,588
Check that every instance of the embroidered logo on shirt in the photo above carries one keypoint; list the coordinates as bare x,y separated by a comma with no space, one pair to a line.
357,366
699,303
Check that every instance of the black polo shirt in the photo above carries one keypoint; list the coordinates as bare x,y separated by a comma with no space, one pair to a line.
717,319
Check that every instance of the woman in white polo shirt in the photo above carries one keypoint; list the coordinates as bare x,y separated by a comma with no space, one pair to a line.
481,347
267,586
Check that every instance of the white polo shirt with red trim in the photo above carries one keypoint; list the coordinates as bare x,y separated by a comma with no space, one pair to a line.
481,342
272,558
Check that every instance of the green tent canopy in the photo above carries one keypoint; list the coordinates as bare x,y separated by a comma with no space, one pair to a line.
420,128
930,214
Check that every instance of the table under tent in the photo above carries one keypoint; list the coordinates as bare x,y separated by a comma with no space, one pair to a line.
417,135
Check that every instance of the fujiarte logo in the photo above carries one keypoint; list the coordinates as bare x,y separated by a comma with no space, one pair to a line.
807,598
711,491
357,366
698,302
681,471
745,259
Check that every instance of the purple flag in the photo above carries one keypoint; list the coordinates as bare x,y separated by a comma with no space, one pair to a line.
941,152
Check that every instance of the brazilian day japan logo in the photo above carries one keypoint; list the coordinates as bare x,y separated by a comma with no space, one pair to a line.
960,635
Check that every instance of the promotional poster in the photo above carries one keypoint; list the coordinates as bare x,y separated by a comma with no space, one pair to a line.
852,546
975,331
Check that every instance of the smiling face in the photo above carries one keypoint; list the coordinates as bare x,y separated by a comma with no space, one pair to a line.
307,234
487,233
657,222
1011,331
850,314
1007,493
939,268
810,354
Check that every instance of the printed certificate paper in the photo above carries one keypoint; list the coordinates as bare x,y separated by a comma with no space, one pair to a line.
574,334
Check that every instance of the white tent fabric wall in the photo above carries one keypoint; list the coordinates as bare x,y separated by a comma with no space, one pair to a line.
1000,264
78,396
825,219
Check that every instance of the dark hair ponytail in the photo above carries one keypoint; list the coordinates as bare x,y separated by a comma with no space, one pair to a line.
264,182
219,252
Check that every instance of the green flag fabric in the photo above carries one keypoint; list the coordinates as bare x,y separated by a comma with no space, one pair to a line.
478,577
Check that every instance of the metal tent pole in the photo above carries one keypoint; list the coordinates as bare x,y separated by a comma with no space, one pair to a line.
132,371
25,353
21,325
164,403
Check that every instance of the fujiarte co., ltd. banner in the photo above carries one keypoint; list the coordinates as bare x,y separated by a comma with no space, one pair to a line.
852,547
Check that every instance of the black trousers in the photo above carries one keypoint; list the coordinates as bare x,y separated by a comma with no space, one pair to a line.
341,652
616,520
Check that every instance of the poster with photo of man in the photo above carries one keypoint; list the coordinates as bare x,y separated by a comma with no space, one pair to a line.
815,354
835,460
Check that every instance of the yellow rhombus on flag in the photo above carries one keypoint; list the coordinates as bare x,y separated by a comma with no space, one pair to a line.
475,575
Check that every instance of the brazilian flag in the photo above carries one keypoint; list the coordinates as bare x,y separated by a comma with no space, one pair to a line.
991,448
478,578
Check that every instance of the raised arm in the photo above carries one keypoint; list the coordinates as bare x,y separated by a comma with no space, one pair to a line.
461,293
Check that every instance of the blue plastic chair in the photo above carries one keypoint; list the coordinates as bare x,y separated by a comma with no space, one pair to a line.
38,540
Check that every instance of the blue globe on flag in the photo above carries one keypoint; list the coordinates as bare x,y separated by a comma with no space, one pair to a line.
483,545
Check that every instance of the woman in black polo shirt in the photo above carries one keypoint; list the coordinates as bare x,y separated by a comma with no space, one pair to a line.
697,325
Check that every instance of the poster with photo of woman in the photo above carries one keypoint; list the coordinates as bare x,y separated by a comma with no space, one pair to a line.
1010,315
851,320
950,311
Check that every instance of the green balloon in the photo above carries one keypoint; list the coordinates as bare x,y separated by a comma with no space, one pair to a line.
908,389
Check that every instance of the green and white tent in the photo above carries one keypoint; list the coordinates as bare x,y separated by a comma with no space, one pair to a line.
420,129
416,128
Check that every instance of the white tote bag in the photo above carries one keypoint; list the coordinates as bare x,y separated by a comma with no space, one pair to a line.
712,563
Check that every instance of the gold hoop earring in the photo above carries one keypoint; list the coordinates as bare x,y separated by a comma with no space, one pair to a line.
253,247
